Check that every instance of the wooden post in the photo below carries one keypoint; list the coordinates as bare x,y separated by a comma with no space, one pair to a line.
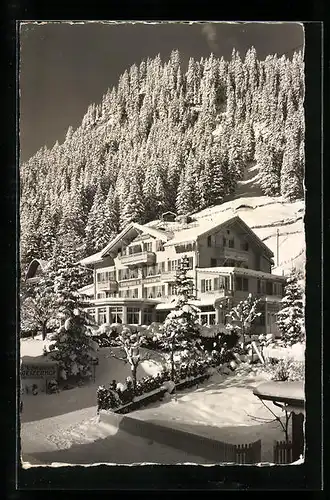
297,435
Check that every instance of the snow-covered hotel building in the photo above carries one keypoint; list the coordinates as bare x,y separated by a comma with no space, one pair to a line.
134,275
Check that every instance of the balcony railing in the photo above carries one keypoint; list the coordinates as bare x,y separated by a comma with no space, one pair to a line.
110,285
221,292
135,259
169,276
231,253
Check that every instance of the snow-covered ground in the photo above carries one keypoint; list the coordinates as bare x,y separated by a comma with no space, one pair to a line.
80,438
223,408
64,428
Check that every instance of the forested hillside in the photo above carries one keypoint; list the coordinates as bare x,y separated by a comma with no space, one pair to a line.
165,139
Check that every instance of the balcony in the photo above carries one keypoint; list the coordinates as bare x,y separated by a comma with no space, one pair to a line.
136,259
109,285
234,253
169,276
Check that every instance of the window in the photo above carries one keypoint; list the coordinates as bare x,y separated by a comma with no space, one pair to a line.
159,246
105,276
102,316
245,246
116,314
224,242
220,283
147,316
133,274
150,271
160,268
135,293
158,291
206,285
207,318
91,313
133,314
147,247
269,288
161,316
209,241
100,295
231,243
213,262
242,284
173,265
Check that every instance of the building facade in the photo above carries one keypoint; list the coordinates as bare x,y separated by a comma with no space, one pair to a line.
134,275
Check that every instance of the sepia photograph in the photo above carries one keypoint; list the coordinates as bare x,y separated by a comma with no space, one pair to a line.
162,243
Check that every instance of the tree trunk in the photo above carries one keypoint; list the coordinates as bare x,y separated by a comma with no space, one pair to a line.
134,376
172,363
44,329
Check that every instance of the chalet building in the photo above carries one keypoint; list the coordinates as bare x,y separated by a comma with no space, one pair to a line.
134,275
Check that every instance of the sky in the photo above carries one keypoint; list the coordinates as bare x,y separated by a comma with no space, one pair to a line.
64,67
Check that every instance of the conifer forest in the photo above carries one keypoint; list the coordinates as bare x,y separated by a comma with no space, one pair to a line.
165,138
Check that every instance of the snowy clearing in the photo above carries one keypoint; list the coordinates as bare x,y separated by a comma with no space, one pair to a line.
223,408
79,438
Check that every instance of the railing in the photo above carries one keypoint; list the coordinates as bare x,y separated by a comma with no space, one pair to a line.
111,285
138,258
169,276
221,292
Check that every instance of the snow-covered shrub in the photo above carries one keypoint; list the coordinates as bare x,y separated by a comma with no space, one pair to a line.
107,399
288,370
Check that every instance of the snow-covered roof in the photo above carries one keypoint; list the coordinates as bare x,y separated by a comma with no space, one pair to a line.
130,228
87,289
286,392
239,270
91,259
208,225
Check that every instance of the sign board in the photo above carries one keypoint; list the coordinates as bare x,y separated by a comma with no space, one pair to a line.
36,376
39,371
151,279
129,283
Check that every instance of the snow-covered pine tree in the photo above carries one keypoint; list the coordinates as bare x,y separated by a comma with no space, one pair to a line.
111,215
72,349
269,171
181,326
132,205
94,229
186,195
292,172
290,319
68,278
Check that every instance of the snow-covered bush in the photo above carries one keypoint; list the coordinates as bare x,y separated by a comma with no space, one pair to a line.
288,370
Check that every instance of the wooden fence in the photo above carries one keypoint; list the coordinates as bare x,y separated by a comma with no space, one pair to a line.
248,453
283,452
